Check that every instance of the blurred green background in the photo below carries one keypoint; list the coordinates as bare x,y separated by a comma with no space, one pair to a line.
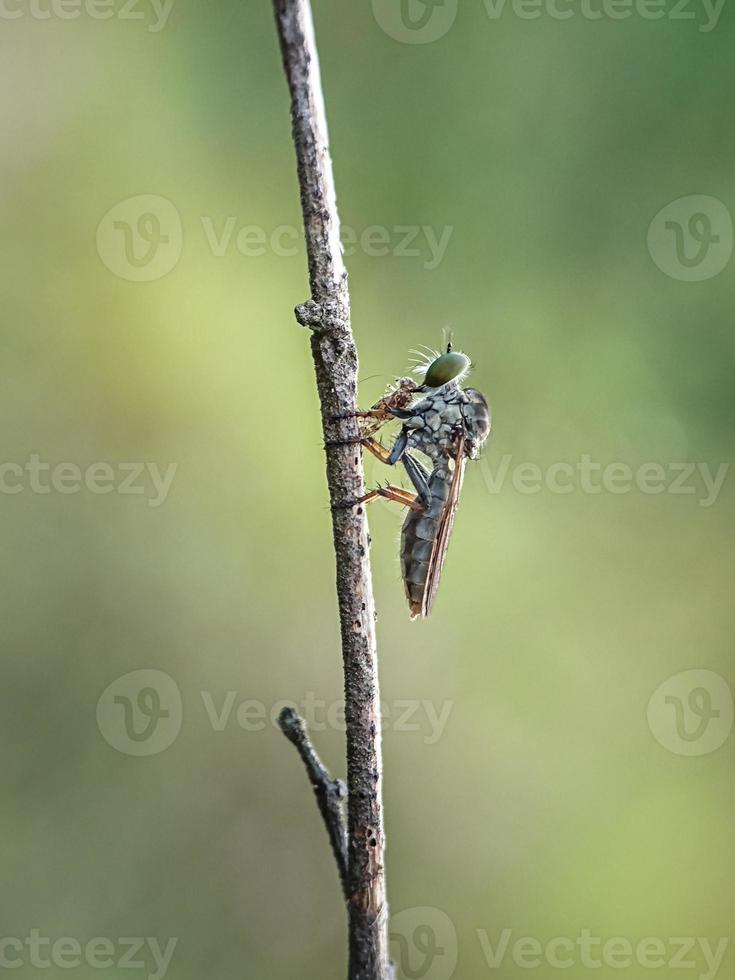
543,802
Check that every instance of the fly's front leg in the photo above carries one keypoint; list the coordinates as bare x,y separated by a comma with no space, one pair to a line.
372,445
343,416
378,450
367,424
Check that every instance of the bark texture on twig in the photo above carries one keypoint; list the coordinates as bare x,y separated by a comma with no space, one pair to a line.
329,792
335,361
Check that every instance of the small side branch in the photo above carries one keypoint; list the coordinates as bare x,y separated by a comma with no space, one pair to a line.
329,792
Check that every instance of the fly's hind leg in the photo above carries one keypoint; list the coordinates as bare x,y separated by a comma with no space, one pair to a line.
417,472
397,494
419,476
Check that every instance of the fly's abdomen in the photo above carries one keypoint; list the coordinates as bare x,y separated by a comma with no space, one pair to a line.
419,533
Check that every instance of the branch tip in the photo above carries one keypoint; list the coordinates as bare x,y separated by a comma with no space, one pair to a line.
292,725
329,792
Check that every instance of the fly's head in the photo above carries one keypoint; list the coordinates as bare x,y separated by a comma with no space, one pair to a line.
451,367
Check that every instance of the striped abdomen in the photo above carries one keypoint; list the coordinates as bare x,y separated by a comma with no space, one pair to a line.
418,536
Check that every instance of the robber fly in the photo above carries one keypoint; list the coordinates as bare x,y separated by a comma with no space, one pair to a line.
449,424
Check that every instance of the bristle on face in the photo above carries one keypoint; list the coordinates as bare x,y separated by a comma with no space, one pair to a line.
423,359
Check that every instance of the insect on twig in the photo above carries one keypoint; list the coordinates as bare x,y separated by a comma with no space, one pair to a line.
449,425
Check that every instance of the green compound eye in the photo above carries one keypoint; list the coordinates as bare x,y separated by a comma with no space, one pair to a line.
446,368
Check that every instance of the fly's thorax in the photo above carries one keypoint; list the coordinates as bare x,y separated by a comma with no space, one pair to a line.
435,420
427,442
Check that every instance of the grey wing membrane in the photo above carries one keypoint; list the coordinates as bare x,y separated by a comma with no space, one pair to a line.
441,542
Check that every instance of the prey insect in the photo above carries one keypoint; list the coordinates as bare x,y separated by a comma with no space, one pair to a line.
397,397
448,424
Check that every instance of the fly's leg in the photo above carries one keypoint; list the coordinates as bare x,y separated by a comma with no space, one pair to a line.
353,441
398,494
371,413
385,413
401,413
372,445
419,476
417,473
378,450
420,468
399,448
375,447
